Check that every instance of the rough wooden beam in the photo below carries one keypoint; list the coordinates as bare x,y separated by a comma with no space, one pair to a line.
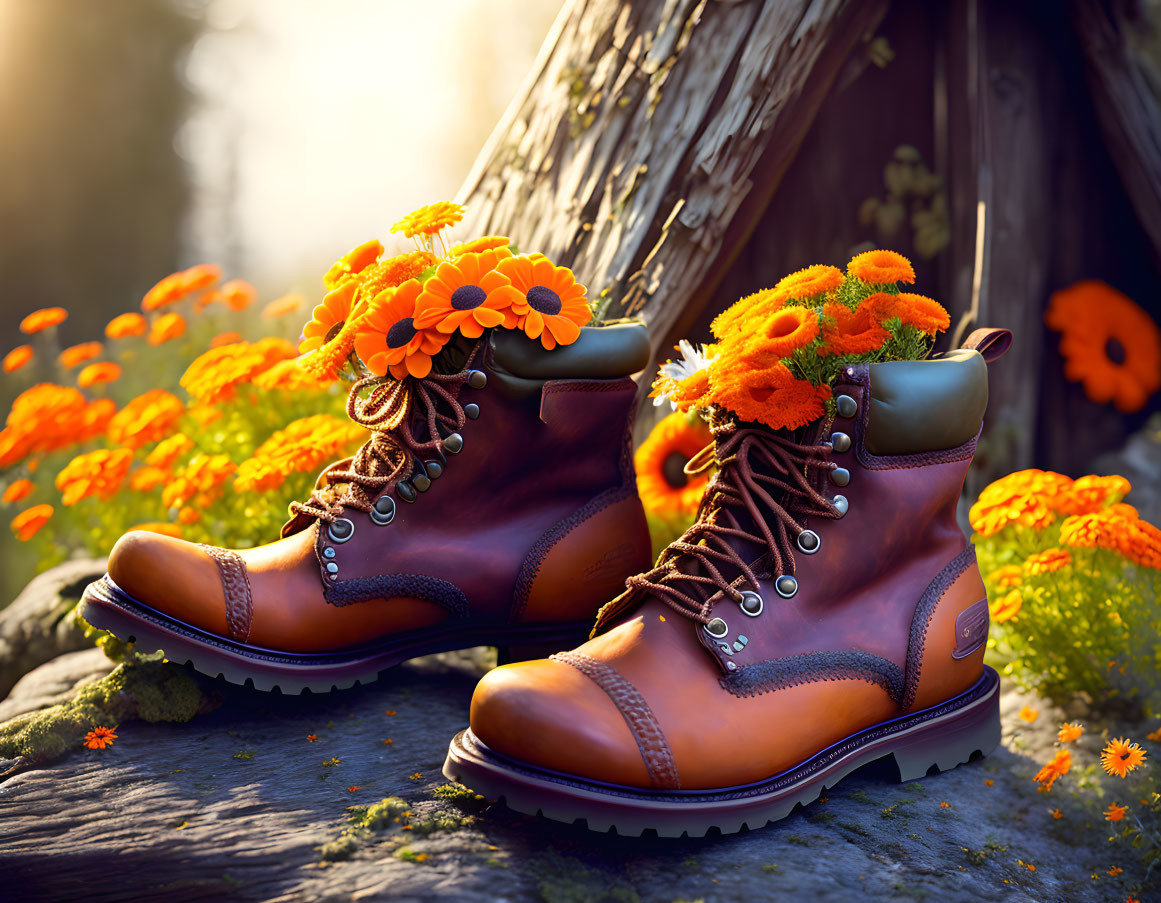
651,136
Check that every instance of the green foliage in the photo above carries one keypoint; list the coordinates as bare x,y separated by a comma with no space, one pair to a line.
913,195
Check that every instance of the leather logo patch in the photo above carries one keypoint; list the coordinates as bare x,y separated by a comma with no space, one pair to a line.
971,629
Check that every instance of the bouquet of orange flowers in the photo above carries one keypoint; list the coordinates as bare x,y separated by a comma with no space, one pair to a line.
779,350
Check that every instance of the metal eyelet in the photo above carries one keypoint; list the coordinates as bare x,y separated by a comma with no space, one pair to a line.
840,476
340,530
809,542
841,505
751,604
477,379
786,586
472,411
384,510
332,568
434,469
847,406
453,444
840,442
717,628
329,552
406,492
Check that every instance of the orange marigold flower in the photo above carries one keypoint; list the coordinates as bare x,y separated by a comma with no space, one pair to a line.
387,340
1007,577
1109,344
172,530
430,219
39,320
225,338
180,285
100,737
147,418
1008,607
98,374
45,417
784,331
16,358
1117,528
1120,756
662,483
239,294
476,245
215,375
881,267
1070,731
1060,765
188,516
302,446
17,491
461,295
146,479
166,328
764,392
206,299
96,474
744,311
76,355
1047,561
548,301
167,451
289,376
95,418
28,523
1092,493
925,314
353,262
857,331
126,325
1029,714
1115,812
809,282
280,307
389,273
199,481
1020,498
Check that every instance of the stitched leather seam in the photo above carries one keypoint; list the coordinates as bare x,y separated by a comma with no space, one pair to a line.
921,620
236,589
386,586
655,752
813,667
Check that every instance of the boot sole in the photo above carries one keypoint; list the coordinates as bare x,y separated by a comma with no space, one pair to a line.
106,606
938,738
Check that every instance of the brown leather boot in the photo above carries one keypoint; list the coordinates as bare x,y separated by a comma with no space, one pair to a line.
502,511
825,611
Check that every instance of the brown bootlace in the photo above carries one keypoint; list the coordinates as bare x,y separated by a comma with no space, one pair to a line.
764,474
389,455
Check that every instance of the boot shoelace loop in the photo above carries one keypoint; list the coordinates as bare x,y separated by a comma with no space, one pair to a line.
767,476
389,455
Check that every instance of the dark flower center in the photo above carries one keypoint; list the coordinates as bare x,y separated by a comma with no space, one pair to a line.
544,300
1115,351
401,333
673,469
468,296
334,330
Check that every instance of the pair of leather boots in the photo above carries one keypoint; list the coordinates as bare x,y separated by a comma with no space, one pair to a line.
824,611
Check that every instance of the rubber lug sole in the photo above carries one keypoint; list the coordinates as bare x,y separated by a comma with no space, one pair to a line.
106,606
936,739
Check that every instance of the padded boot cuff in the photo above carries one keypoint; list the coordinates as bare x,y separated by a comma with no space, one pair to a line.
601,352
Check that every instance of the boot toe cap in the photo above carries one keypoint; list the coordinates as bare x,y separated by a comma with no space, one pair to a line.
172,576
549,714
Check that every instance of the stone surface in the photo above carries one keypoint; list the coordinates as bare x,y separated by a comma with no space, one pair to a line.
55,682
240,804
36,628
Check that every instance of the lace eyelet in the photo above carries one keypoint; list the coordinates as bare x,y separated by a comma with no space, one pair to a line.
384,510
717,628
809,542
340,530
786,586
751,604
841,505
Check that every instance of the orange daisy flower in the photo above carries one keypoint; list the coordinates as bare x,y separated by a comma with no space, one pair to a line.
40,320
548,301
164,529
17,491
1008,607
476,245
738,315
280,307
1115,812
1109,344
98,374
239,294
1060,765
147,418
461,295
166,328
16,358
96,474
430,219
785,331
126,325
328,318
1070,731
881,267
353,262
810,282
28,523
76,355
1047,561
1120,756
662,483
100,737
387,340
857,331
925,314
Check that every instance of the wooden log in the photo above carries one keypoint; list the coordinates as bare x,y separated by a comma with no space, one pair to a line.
651,136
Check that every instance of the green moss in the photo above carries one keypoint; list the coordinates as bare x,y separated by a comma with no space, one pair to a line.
821,818
443,821
770,868
795,839
563,879
860,796
379,816
409,855
459,794
338,850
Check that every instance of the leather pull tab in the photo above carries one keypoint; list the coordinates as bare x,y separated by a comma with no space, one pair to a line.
991,343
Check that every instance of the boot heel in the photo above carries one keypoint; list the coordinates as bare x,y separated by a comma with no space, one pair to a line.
950,741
